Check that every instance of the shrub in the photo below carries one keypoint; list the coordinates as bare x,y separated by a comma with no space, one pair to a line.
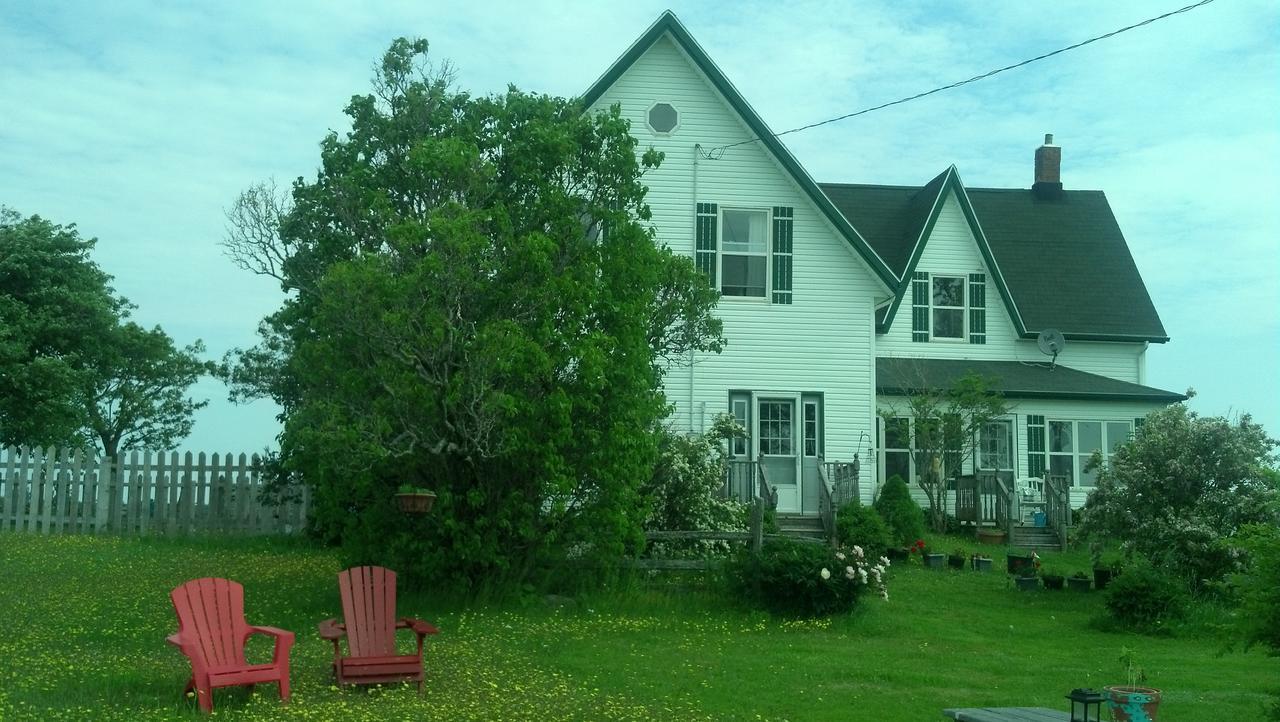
1180,490
802,579
858,525
683,493
1259,587
1145,598
900,512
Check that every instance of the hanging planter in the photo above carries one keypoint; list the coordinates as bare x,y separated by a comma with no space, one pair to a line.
414,499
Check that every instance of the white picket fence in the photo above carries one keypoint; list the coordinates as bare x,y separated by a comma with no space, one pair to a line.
66,491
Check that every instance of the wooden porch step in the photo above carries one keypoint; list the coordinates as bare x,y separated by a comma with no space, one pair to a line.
801,526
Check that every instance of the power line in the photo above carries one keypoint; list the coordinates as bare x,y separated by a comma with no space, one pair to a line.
718,151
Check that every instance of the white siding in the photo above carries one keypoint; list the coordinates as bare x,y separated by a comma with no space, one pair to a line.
952,249
824,341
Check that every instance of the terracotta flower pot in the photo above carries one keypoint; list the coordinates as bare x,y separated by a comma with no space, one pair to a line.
1133,704
991,536
415,503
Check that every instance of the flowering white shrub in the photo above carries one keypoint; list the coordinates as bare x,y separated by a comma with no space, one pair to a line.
795,578
684,493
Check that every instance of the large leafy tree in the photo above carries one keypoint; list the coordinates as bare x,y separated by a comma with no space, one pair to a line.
1182,489
73,369
474,304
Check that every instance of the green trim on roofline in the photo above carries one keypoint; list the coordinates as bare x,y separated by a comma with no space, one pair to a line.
951,182
668,23
1060,395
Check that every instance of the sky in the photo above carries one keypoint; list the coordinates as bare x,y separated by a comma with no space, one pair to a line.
142,122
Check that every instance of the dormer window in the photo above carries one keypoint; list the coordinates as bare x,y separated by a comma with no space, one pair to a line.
947,307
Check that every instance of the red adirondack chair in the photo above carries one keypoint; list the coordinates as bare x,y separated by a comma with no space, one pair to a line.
212,632
369,613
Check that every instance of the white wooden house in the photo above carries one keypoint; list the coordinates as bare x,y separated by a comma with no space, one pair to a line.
837,298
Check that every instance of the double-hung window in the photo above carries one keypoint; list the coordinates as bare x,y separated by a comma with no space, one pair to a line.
948,307
744,253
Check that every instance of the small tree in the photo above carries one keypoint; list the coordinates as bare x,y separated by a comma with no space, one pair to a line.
1181,489
73,368
944,423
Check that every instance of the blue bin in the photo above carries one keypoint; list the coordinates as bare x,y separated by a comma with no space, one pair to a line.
1039,519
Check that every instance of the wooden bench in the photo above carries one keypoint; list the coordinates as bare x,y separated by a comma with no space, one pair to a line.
1007,714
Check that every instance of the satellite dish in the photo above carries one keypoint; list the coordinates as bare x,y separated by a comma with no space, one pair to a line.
1051,342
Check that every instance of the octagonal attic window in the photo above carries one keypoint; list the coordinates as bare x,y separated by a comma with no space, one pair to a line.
663,118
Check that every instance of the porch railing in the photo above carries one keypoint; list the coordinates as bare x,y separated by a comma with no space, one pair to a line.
826,507
1057,506
740,480
983,500
843,476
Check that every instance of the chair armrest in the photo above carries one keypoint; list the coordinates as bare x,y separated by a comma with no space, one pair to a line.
332,630
283,635
417,625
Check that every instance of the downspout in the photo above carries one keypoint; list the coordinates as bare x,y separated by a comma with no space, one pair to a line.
697,150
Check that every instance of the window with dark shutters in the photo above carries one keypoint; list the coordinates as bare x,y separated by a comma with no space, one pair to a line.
783,221
705,240
977,308
919,306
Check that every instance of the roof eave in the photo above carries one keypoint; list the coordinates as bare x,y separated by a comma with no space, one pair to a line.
1164,398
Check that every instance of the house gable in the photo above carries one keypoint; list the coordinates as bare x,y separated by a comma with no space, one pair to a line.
935,196
668,27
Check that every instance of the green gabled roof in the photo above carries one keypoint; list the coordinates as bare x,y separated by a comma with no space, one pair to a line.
1059,263
667,23
1013,379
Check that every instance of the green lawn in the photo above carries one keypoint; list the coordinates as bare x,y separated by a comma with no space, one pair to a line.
84,621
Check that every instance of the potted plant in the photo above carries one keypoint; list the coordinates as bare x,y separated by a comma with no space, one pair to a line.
1052,579
932,559
1132,703
980,563
1027,579
957,558
414,499
1106,566
1078,582
1019,560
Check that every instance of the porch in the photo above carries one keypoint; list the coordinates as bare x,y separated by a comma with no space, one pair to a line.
1033,513
832,484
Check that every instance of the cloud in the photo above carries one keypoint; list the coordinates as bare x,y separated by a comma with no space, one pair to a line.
141,122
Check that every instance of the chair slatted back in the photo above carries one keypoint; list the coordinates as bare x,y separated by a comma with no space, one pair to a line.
212,610
369,610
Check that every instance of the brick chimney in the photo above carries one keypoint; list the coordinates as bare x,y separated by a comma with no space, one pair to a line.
1048,183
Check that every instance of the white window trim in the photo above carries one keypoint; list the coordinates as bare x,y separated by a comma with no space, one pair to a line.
767,298
1076,466
963,308
655,131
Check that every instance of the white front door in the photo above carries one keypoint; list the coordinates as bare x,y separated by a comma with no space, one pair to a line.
776,428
